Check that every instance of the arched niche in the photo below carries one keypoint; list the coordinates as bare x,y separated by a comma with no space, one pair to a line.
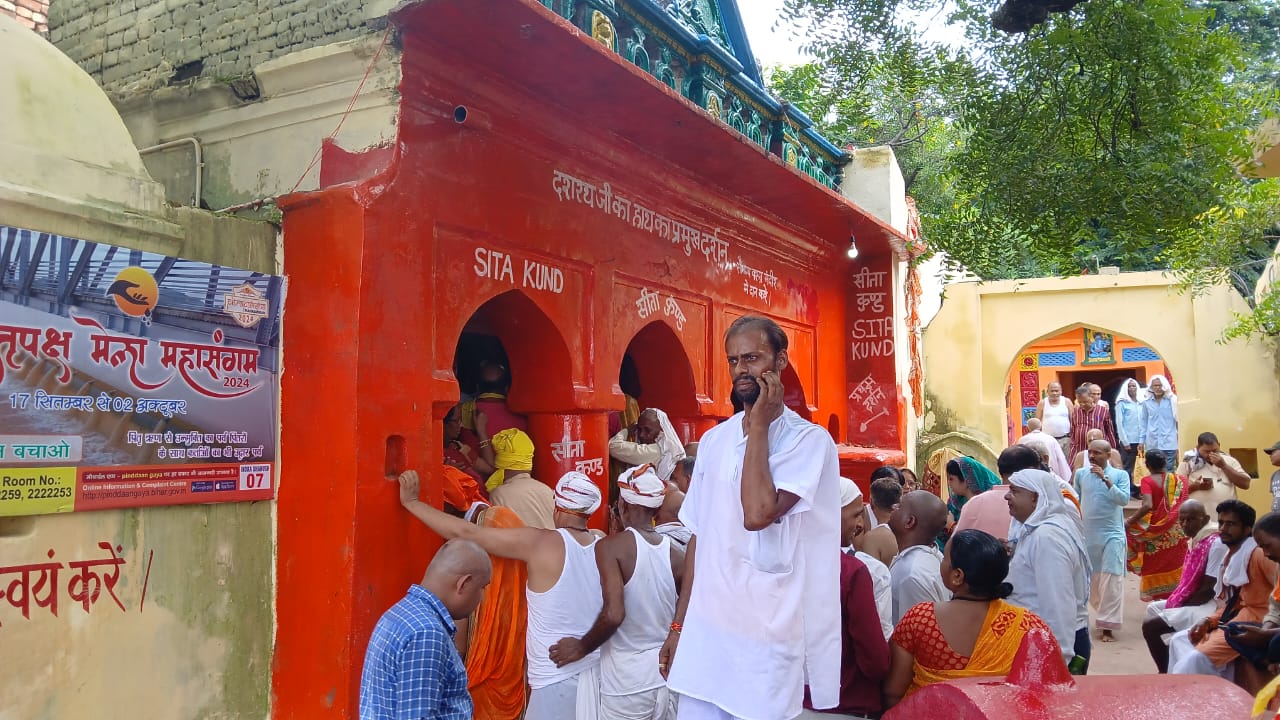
662,370
535,350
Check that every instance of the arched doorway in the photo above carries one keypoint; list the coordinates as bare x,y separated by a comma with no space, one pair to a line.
510,331
1074,357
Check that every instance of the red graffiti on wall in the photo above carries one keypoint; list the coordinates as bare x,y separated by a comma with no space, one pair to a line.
38,583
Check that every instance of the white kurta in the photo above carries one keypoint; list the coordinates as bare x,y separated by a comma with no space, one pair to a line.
763,618
917,578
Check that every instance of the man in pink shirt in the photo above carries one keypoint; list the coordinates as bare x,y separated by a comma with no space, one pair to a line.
988,511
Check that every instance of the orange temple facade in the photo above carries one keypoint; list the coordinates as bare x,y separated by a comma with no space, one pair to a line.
553,194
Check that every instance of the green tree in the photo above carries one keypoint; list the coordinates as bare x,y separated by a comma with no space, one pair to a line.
1109,135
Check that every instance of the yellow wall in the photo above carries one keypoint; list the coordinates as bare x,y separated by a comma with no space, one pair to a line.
971,345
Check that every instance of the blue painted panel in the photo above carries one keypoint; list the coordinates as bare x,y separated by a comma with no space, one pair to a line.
1057,359
1139,354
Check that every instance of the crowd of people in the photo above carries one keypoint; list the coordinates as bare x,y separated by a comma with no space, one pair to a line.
743,577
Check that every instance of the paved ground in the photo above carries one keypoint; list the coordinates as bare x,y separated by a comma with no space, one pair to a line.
1128,654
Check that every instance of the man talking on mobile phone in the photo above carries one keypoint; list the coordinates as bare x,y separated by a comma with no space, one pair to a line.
760,614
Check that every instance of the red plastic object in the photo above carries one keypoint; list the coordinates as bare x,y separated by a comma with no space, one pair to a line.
1038,687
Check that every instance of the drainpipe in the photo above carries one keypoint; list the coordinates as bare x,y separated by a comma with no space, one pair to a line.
199,164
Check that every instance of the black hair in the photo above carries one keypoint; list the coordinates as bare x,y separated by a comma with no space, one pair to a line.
773,333
686,463
888,471
1241,509
455,411
1018,457
1206,438
885,492
953,468
984,561
1269,524
1156,462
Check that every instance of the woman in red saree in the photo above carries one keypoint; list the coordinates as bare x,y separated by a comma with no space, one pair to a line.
1157,545
974,634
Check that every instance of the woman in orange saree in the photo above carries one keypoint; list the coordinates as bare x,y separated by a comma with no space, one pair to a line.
1157,546
975,634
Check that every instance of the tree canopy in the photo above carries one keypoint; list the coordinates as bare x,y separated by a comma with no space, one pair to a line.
1110,134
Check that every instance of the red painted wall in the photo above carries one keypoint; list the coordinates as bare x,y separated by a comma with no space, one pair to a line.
476,222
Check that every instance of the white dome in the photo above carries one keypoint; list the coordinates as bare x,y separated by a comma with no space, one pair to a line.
60,137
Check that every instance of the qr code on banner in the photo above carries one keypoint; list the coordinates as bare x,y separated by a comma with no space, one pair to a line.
255,477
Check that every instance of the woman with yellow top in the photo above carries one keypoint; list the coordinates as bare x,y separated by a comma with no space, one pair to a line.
974,634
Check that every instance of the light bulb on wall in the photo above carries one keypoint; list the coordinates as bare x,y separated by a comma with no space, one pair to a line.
852,252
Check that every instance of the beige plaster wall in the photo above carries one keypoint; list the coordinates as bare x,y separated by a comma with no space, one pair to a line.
261,148
970,347
200,644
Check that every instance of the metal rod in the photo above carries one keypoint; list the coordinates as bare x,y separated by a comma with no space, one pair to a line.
199,166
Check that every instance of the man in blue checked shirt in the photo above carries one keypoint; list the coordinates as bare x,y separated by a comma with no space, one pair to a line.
412,669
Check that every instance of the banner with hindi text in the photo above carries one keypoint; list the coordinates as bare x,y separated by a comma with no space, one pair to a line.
131,379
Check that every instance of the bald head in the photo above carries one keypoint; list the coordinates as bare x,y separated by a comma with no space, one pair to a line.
458,575
1192,517
1100,453
671,504
1095,434
1033,425
918,519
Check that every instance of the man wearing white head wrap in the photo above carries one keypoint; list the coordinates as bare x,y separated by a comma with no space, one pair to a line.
563,590
652,441
1160,420
577,495
853,527
864,647
1050,567
640,571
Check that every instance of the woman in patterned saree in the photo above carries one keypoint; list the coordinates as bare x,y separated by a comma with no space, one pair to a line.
974,634
1157,546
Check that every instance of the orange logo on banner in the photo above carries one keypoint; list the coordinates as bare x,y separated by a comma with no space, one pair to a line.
134,292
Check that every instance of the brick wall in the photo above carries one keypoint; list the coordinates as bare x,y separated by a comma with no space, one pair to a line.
134,46
32,13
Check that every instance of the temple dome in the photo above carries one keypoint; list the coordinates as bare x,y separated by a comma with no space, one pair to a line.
62,141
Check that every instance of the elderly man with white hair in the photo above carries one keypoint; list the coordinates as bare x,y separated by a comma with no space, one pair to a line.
563,589
1050,567
640,571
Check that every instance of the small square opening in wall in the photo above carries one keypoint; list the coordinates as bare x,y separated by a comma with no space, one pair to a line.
1248,459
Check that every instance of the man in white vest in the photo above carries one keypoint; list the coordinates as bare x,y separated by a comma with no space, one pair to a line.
563,589
640,571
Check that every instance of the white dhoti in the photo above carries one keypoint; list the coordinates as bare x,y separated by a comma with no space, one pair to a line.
576,697
554,702
1106,597
1181,618
1185,659
656,704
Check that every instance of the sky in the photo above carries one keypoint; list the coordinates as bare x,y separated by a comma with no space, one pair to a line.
771,47
781,47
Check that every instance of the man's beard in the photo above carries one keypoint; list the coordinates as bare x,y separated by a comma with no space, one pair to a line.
742,399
